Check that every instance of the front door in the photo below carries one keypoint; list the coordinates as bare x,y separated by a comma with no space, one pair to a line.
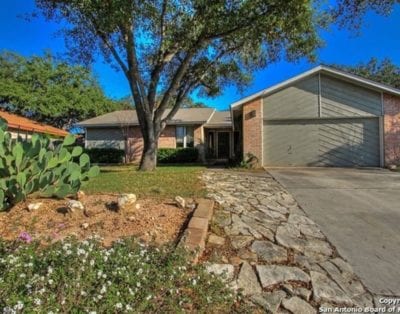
223,145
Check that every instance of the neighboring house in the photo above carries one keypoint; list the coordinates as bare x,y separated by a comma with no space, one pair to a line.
23,127
204,128
323,117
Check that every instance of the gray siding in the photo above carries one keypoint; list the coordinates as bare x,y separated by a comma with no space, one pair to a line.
323,142
297,101
104,138
343,99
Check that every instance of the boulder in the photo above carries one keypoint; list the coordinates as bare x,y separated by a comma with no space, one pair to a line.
180,202
75,205
34,206
126,199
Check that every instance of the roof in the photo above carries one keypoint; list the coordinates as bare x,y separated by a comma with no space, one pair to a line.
220,119
129,117
21,123
323,70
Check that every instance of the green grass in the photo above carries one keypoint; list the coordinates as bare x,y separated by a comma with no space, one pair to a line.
165,182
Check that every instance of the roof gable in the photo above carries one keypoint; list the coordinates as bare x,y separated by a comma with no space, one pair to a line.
345,76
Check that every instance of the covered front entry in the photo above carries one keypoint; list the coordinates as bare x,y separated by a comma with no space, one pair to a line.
219,143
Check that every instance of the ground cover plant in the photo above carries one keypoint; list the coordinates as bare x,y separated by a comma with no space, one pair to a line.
84,277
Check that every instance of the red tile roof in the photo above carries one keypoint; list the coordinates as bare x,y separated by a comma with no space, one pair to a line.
17,122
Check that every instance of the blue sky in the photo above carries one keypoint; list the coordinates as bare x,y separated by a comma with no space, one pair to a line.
379,38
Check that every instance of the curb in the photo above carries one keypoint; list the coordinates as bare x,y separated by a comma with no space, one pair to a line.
194,238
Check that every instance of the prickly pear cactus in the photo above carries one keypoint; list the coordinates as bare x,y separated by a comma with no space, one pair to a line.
34,166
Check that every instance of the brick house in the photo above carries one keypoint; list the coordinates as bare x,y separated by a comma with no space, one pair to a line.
322,117
208,130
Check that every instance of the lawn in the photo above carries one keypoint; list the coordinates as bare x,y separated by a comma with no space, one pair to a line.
165,182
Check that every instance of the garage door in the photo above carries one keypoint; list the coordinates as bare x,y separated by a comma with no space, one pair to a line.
341,142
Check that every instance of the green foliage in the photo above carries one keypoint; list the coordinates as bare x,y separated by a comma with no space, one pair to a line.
250,162
32,166
50,91
81,277
385,71
177,155
105,155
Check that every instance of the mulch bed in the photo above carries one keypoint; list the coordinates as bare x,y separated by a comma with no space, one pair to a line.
155,221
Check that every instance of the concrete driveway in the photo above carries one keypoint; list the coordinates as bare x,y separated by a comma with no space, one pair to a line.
359,212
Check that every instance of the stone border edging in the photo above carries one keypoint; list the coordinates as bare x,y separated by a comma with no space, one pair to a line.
194,238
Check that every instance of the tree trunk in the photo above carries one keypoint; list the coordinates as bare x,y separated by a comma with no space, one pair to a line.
149,156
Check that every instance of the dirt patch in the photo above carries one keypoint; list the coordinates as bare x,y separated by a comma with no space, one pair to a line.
155,220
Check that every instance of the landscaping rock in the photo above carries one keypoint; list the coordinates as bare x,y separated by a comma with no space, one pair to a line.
269,301
132,218
297,305
75,205
224,270
327,290
80,195
180,202
269,252
299,291
90,212
352,287
300,219
222,218
239,242
316,246
85,225
289,236
213,239
247,280
311,231
275,274
137,206
125,200
247,255
34,206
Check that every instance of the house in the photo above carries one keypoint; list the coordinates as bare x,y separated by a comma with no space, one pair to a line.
23,127
322,117
204,128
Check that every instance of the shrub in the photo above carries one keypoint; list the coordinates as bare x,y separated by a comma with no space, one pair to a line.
106,155
80,277
177,155
32,166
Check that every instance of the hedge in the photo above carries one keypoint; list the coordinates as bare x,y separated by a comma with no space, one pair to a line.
106,155
177,155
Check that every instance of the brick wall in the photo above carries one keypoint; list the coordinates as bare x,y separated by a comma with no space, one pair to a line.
252,129
391,106
167,140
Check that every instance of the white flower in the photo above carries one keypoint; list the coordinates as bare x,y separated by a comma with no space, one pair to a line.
22,275
92,312
83,293
118,305
50,281
19,306
138,284
37,301
91,262
194,282
148,297
8,310
49,270
128,307
103,289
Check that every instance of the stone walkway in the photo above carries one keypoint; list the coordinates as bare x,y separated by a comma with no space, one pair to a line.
267,246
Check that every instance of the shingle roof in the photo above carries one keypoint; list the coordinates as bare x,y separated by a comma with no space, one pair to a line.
17,122
220,119
129,117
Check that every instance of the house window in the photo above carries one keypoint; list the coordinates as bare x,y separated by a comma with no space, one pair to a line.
184,136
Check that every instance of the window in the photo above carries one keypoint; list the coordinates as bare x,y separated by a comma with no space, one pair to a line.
184,136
